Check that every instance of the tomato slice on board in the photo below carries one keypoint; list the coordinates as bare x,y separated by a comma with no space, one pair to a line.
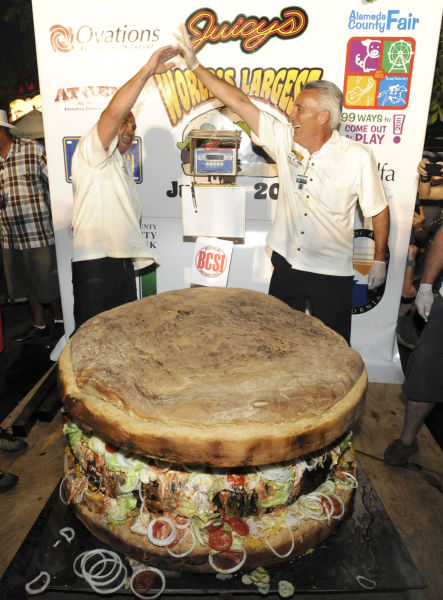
220,540
143,581
236,479
238,525
336,507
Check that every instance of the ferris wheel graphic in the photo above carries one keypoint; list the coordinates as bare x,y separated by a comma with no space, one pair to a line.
399,55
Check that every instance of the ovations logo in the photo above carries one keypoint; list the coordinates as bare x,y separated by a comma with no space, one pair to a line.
254,32
62,38
65,39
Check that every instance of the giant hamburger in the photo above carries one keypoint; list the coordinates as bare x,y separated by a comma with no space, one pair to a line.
209,428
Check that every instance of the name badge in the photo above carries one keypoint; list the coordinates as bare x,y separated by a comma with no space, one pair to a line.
293,160
301,180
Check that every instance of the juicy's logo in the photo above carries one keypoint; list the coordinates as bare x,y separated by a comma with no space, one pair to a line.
61,38
254,32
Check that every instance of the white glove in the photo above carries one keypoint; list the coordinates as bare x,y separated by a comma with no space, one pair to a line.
185,44
377,274
424,300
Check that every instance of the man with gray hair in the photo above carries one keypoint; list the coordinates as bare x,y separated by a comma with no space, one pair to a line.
323,176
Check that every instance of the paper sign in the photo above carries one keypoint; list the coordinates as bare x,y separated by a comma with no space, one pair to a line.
211,262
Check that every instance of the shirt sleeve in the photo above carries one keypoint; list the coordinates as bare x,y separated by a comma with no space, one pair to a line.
43,166
372,197
274,136
92,151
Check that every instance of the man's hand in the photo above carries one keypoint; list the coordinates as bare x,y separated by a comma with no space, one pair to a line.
422,167
186,47
424,300
377,274
158,63
418,219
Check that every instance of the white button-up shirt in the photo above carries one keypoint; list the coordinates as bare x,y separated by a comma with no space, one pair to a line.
106,217
318,195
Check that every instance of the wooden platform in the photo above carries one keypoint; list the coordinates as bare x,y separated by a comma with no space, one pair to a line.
412,498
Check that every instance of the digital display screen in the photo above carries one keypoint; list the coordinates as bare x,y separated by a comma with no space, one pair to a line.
215,156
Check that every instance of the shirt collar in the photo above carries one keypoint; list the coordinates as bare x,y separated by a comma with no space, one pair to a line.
333,141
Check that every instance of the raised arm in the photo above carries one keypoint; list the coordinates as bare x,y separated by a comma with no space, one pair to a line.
125,98
228,94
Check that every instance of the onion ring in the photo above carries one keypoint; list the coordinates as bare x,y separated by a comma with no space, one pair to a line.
104,576
68,533
161,542
60,488
187,551
288,552
366,583
97,585
123,490
154,570
42,588
340,501
232,569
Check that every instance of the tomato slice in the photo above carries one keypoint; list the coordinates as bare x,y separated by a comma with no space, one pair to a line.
110,448
157,529
336,507
220,540
238,525
236,479
143,581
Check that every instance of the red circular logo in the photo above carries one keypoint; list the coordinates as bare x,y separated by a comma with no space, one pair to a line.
211,261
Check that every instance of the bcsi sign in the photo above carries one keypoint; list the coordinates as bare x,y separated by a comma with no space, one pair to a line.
211,261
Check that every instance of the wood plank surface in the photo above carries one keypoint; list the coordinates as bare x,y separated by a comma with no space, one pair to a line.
413,499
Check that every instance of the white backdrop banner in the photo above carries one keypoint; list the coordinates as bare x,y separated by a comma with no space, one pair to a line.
382,54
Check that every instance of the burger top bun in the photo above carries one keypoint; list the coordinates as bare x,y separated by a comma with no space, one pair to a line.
215,376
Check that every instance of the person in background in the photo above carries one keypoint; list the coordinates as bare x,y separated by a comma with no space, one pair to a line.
426,222
323,177
423,385
108,243
26,232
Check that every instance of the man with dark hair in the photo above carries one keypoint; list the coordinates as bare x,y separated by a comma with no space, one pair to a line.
323,177
26,232
108,243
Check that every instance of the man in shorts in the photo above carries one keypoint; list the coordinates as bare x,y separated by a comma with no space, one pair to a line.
423,386
26,232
